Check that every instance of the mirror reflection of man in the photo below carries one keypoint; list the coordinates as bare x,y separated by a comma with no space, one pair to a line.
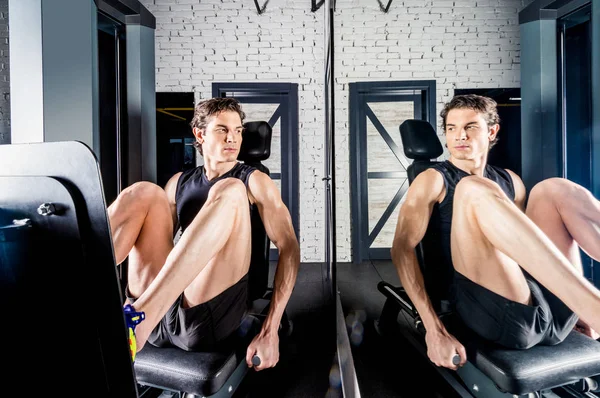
518,278
194,295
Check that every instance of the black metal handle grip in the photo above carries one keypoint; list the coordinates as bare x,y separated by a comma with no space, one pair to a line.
456,359
255,360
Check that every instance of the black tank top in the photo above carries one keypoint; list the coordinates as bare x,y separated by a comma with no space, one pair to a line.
193,186
441,218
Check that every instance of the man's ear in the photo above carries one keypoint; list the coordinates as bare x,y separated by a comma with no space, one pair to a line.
199,134
493,131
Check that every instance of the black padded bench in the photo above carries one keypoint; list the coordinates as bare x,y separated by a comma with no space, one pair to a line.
517,372
201,374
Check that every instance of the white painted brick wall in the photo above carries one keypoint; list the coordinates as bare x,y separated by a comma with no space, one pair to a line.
4,75
460,44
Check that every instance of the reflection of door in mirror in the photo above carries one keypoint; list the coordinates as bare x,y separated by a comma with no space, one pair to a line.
276,104
379,179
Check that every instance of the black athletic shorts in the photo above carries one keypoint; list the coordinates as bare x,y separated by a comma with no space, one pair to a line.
203,326
514,325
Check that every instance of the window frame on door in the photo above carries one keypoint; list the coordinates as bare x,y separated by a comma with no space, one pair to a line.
359,91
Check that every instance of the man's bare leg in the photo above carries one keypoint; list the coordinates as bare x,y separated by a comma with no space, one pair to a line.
568,214
212,254
142,228
489,229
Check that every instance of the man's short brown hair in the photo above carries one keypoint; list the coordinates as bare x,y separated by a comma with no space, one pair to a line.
204,110
484,105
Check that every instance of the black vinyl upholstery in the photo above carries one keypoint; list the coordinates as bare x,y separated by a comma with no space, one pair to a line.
537,368
513,371
204,373
197,373
418,142
256,145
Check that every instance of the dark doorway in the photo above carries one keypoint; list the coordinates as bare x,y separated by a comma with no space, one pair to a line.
112,110
174,139
577,101
507,151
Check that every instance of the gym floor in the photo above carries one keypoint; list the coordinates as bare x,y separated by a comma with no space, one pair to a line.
308,354
362,303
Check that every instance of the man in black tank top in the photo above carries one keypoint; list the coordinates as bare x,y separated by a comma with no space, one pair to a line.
515,273
193,295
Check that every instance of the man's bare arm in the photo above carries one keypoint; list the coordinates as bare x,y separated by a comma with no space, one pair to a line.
520,191
171,190
423,193
278,225
413,219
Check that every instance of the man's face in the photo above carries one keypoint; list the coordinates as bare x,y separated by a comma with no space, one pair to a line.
222,137
467,134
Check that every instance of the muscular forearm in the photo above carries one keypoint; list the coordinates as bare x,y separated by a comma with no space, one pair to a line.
283,285
411,278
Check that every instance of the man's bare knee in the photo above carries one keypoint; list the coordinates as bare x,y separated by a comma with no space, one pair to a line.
136,199
232,189
473,187
555,190
142,192
548,189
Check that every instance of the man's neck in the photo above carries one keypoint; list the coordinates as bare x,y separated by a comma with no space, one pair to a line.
215,169
471,166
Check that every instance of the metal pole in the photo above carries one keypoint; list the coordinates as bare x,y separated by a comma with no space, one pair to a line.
329,179
348,378
562,89
118,110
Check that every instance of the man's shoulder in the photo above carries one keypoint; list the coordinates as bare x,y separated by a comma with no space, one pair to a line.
429,185
257,176
512,173
505,172
432,175
515,178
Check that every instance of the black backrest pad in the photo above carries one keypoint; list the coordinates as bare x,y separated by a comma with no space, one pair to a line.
420,140
256,146
421,144
256,143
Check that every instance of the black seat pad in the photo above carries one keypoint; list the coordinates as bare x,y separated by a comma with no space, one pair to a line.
198,373
523,371
534,369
